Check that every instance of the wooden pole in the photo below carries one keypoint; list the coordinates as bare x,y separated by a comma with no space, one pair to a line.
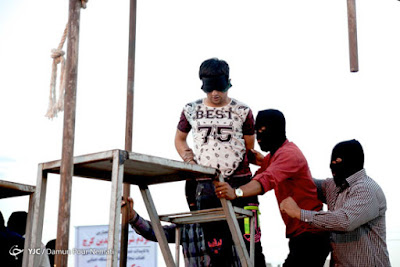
352,24
128,127
61,260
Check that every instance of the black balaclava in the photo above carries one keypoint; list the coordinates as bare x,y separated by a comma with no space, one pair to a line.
352,155
274,135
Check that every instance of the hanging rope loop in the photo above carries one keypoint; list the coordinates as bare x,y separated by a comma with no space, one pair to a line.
57,55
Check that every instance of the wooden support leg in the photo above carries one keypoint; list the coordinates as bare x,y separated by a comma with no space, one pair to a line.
155,222
352,23
177,244
252,239
235,230
35,220
119,158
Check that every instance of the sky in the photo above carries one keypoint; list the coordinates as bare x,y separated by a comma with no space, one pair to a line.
288,55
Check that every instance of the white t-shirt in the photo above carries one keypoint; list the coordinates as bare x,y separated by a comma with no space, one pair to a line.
218,133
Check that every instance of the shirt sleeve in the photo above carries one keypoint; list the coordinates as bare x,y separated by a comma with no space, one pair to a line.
144,228
184,125
248,125
285,165
321,189
360,207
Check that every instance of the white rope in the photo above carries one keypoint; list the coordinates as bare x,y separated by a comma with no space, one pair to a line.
55,105
58,57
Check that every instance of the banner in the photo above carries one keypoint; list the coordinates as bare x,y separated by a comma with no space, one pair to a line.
91,248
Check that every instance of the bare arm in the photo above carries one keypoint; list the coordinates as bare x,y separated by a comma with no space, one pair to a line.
249,141
183,148
224,190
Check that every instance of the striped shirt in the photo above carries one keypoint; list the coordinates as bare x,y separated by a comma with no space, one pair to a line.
356,219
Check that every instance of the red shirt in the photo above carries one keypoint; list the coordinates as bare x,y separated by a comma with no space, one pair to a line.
287,172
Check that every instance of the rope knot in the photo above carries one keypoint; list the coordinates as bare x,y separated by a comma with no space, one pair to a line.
56,105
55,53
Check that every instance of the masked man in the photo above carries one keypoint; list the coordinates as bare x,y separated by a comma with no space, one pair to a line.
356,210
286,171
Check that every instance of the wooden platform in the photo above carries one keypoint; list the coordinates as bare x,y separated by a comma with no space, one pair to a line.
118,166
11,189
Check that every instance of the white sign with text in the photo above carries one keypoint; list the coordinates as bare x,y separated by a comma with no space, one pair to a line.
92,241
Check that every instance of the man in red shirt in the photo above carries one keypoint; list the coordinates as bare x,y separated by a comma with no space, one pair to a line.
284,169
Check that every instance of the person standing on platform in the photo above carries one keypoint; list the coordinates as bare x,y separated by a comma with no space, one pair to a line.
223,134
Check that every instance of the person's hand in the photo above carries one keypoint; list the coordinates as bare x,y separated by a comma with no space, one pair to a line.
290,207
132,212
255,157
224,190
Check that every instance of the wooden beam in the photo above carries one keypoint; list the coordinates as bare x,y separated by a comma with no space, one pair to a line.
158,229
235,230
128,127
352,24
35,220
115,206
64,208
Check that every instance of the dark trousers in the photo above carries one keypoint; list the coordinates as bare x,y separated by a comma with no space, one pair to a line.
217,234
308,249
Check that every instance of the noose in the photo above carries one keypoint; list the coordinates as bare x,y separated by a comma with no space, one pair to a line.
57,54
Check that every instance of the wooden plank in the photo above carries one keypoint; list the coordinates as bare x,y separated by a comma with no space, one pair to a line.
11,189
115,208
352,24
252,239
158,230
37,205
177,244
54,166
235,230
28,231
139,168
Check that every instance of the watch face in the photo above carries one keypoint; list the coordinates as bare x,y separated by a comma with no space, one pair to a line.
239,192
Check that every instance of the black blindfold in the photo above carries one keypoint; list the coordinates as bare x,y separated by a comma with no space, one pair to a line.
218,83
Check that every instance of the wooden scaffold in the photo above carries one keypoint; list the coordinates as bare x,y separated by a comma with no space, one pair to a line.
123,167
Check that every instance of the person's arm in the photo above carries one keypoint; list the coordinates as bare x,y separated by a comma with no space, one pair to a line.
144,228
249,141
255,157
224,190
321,190
360,207
183,148
286,164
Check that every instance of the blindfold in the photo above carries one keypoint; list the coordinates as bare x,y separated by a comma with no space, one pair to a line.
219,83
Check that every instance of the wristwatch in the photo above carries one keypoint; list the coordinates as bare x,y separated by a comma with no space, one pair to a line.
238,192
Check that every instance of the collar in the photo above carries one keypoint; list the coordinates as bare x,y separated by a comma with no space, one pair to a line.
352,179
284,143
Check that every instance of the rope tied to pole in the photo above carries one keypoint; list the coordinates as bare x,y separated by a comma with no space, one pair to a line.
57,54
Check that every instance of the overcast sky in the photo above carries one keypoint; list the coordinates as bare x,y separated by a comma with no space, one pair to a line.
289,55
